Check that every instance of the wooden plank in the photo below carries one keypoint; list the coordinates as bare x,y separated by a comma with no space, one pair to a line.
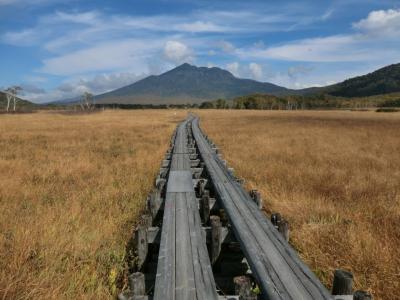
276,266
183,268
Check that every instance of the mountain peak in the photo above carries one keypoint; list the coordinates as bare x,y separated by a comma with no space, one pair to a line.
188,68
185,66
188,83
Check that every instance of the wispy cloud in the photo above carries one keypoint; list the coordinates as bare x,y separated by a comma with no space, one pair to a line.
93,41
325,49
107,56
49,26
72,88
299,70
26,2
373,40
74,45
226,46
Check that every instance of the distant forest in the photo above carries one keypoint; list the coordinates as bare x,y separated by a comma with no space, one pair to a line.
324,101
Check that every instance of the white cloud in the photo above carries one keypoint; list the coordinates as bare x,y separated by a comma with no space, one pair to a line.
31,89
226,46
326,49
23,2
84,42
295,71
24,37
381,22
200,26
316,75
177,52
89,17
98,84
106,82
175,24
327,15
256,71
337,48
63,29
372,41
95,25
233,68
259,44
128,54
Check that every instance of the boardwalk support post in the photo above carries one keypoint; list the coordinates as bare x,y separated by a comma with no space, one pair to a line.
276,218
136,284
342,283
137,288
205,207
256,196
216,229
240,180
147,220
283,228
362,295
155,200
141,246
243,288
201,187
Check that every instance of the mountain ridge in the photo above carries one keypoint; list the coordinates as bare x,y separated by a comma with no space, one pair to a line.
188,84
382,81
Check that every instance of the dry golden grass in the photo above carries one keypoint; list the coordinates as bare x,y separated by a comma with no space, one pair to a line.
334,175
70,188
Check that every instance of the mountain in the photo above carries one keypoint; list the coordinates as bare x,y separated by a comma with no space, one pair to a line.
383,81
188,84
191,84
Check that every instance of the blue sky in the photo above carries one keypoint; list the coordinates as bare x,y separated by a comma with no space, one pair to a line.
58,49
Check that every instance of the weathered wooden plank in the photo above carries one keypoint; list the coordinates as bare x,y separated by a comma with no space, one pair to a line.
276,266
227,236
183,268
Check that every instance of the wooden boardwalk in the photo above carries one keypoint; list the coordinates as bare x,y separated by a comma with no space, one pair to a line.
204,237
183,269
277,268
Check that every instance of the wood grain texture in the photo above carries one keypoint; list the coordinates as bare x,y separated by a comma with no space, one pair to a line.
276,266
183,269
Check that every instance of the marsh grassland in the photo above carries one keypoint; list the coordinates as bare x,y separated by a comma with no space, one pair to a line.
334,175
71,187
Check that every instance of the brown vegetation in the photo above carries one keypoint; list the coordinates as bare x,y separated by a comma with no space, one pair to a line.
70,189
335,177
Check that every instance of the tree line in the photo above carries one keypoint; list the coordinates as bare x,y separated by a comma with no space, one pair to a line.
294,102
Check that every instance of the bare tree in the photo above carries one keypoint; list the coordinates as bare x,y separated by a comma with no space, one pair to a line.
87,101
11,94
